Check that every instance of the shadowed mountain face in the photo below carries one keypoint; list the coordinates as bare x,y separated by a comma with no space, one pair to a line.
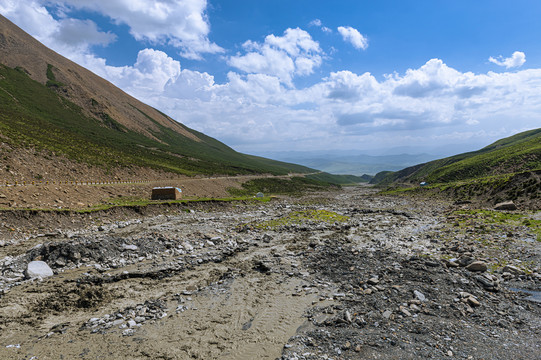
58,108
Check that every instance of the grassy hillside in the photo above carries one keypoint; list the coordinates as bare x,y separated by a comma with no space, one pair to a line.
515,154
35,115
337,179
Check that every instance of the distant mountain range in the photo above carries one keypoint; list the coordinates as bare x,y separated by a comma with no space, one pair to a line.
352,163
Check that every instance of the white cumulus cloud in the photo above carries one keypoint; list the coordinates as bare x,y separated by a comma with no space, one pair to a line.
319,24
516,60
183,24
66,36
353,36
294,53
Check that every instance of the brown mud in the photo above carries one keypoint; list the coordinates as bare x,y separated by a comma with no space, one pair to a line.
338,275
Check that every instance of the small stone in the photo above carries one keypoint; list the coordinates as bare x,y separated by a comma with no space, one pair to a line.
139,319
348,317
486,283
450,263
129,247
132,323
347,345
38,269
513,270
432,263
387,314
449,353
358,348
373,281
465,260
405,312
472,301
507,275
419,295
506,205
478,266
368,291
128,332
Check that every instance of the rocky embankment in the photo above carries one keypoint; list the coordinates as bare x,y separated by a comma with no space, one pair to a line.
339,275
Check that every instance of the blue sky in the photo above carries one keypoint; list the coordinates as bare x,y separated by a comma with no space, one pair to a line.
276,75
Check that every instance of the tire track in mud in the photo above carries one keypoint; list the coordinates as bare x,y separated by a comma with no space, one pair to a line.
277,319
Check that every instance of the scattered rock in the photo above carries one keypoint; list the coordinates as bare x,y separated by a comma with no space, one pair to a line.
513,270
506,205
477,266
38,269
472,301
465,260
128,332
487,284
373,281
405,312
419,295
129,247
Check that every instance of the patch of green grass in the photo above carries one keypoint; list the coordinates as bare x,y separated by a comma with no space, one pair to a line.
51,79
140,202
280,186
498,187
502,218
337,179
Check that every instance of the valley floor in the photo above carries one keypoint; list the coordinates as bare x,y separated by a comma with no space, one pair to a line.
338,275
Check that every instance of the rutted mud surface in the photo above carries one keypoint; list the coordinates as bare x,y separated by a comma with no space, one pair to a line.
344,275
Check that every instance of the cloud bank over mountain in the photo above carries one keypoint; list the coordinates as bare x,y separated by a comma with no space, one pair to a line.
265,101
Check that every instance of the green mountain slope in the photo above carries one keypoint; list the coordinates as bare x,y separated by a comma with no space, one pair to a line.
35,115
515,154
56,107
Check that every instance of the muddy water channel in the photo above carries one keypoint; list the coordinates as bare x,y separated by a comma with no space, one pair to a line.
339,275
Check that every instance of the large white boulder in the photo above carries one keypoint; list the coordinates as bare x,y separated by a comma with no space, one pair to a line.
38,269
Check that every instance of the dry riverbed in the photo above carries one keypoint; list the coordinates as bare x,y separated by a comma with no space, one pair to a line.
338,275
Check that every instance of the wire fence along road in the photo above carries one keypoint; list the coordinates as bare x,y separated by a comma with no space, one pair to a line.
73,182
12,183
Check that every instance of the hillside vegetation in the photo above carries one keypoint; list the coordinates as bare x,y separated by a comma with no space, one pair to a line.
58,111
515,154
509,169
35,115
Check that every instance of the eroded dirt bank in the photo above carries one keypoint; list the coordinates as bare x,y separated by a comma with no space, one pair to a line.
342,275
